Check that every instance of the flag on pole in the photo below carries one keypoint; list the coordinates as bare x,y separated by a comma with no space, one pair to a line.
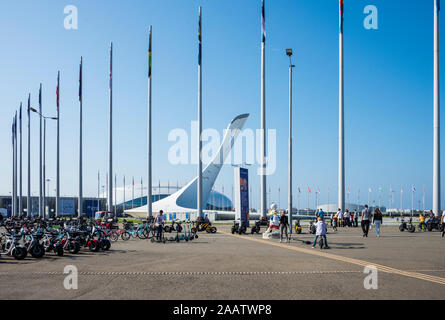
390,190
380,189
349,190
149,54
318,190
369,190
200,38
309,190
263,23
413,189
341,16
80,80
299,191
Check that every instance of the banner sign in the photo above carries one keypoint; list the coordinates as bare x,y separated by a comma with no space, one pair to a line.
242,195
91,207
66,207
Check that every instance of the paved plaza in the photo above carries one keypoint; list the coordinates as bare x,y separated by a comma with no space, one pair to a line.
226,266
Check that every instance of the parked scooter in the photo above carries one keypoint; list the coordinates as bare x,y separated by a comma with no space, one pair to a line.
256,228
298,227
33,245
312,228
407,226
11,245
238,227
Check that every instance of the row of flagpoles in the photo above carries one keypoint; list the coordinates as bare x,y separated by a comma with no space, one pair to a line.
18,211
263,204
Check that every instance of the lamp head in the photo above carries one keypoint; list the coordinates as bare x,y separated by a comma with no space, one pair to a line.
289,52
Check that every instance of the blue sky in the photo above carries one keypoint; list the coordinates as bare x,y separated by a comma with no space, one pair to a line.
388,88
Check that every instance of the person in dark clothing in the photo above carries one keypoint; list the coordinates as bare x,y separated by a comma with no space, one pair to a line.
378,220
366,218
284,225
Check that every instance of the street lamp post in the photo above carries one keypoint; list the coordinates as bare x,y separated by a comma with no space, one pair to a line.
291,66
43,178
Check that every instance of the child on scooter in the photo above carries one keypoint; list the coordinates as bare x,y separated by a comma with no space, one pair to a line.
321,230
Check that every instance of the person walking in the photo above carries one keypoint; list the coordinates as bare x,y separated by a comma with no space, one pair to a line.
378,221
335,222
340,217
355,218
284,225
347,217
159,224
366,218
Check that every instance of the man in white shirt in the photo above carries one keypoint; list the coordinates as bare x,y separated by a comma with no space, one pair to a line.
347,217
340,217
321,230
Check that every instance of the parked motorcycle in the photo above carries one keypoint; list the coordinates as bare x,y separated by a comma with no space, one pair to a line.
407,226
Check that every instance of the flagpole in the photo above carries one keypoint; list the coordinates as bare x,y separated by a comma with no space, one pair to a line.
436,153
40,154
115,195
341,151
58,148
28,200
20,162
15,166
44,168
123,204
98,190
291,66
263,205
401,200
199,198
13,169
110,137
149,131
132,195
80,207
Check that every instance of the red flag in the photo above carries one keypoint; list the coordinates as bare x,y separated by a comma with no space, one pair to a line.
309,190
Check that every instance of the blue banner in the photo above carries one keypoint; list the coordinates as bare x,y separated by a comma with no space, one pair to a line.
244,195
91,207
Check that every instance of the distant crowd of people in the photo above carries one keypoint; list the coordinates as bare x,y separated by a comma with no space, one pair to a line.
340,219
351,219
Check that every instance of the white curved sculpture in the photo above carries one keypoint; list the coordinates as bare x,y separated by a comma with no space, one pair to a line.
185,199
